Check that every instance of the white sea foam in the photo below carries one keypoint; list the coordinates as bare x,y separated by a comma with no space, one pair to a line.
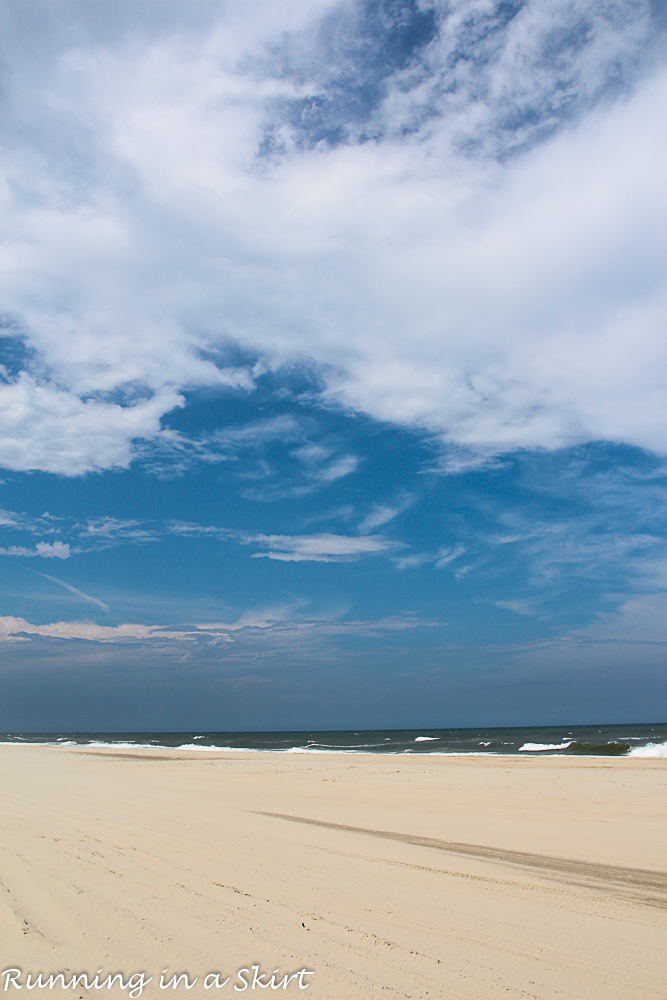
197,746
112,746
650,750
545,746
655,749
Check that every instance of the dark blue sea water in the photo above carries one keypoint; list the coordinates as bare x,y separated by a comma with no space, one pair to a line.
648,740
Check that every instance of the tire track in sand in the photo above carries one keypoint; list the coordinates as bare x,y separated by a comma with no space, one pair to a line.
639,885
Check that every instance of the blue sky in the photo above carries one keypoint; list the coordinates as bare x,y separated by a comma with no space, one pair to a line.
333,364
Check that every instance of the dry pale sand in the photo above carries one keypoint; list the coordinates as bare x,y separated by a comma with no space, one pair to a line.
401,876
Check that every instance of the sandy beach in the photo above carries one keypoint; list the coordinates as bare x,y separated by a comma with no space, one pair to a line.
398,876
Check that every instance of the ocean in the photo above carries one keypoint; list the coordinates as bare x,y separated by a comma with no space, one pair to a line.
646,740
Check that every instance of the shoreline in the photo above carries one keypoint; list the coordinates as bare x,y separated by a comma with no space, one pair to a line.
631,740
394,874
389,754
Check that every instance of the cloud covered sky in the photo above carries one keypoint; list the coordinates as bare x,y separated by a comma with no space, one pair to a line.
341,323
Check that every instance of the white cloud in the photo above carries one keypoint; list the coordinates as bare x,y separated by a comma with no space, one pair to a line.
316,463
102,531
74,590
21,521
447,555
337,469
413,561
52,429
15,629
8,519
384,513
268,629
322,547
500,301
192,529
640,619
518,607
321,465
47,550
440,559
53,550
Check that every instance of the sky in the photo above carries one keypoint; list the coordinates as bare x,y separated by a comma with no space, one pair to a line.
333,364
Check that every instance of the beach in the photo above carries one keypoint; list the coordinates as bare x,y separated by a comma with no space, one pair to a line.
469,877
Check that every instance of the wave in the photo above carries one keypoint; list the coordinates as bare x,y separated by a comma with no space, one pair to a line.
650,750
534,747
202,749
599,749
113,746
611,749
641,741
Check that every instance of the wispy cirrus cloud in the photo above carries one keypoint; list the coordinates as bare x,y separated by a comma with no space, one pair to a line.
337,468
525,607
106,532
45,550
253,631
384,513
324,547
578,525
448,554
8,519
18,629
21,521
173,452
109,530
301,471
442,557
281,456
75,591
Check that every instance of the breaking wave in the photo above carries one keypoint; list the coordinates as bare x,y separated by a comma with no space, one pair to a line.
650,750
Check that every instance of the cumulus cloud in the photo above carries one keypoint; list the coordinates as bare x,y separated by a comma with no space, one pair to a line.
53,550
475,249
53,429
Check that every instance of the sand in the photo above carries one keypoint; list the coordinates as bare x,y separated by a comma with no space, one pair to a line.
398,876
